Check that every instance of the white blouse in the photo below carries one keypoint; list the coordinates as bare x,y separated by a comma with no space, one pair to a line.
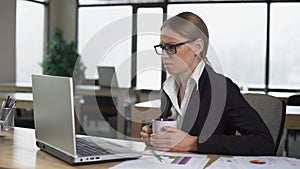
171,88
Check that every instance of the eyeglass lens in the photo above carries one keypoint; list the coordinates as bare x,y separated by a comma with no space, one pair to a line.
170,49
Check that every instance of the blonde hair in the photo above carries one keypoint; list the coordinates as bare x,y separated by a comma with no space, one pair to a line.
190,26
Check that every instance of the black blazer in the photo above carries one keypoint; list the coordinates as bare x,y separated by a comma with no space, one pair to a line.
216,111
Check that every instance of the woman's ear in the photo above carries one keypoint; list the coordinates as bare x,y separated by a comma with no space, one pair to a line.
199,45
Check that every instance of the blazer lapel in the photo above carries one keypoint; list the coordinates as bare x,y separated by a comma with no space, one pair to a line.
192,111
165,105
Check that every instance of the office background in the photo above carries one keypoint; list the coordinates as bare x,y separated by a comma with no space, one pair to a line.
256,41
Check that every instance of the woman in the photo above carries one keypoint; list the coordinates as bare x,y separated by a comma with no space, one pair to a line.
209,107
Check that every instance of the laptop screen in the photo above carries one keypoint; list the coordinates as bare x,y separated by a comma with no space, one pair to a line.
53,112
107,77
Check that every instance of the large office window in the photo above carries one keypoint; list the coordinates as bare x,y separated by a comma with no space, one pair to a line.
104,39
149,21
284,46
106,2
237,38
29,39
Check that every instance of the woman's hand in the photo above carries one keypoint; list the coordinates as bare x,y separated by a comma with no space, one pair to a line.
173,140
146,134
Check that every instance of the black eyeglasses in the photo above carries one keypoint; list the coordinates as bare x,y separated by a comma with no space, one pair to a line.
170,48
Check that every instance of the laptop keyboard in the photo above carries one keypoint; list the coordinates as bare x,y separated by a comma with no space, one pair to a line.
86,147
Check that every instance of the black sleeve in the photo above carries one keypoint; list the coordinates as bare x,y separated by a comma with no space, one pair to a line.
255,138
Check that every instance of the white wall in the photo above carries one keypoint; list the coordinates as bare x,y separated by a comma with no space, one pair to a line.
7,40
63,16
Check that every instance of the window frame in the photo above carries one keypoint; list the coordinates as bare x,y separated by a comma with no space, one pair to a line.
164,6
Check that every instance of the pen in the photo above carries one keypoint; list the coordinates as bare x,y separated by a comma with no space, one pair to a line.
157,156
14,104
12,101
3,104
7,101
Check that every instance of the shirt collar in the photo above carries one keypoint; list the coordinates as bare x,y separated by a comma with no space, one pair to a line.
197,73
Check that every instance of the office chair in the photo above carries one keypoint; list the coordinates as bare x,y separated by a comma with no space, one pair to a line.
272,111
293,100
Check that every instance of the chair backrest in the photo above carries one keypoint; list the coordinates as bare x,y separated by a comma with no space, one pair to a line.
272,111
294,100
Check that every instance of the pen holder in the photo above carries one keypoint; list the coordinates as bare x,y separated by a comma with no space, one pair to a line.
7,116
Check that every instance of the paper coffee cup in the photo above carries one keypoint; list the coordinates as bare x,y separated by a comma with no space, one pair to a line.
159,123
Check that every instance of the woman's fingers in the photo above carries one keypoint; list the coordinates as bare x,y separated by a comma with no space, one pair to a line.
145,135
147,129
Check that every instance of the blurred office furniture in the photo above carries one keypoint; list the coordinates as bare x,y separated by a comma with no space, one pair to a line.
294,100
22,93
142,113
107,101
272,111
16,87
116,98
293,132
24,100
24,115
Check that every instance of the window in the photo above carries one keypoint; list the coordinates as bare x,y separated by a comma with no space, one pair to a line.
29,26
104,39
284,46
41,0
149,21
105,2
237,41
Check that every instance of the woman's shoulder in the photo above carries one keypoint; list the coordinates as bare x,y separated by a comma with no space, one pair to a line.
219,79
215,75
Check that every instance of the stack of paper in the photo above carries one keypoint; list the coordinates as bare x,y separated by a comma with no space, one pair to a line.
262,162
171,161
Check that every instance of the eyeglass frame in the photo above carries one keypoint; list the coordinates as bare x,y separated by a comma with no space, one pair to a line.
163,47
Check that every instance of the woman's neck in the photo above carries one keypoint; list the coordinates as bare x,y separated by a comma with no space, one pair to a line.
183,78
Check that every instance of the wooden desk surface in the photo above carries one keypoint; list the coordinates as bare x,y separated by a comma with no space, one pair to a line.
18,150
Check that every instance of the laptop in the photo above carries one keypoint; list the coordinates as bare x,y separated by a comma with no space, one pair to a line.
54,119
107,77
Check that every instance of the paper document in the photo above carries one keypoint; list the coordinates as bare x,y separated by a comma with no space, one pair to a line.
171,161
223,163
259,162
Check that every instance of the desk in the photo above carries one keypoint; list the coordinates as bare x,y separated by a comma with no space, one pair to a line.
142,113
292,122
292,118
146,111
119,93
15,87
24,100
18,150
20,91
